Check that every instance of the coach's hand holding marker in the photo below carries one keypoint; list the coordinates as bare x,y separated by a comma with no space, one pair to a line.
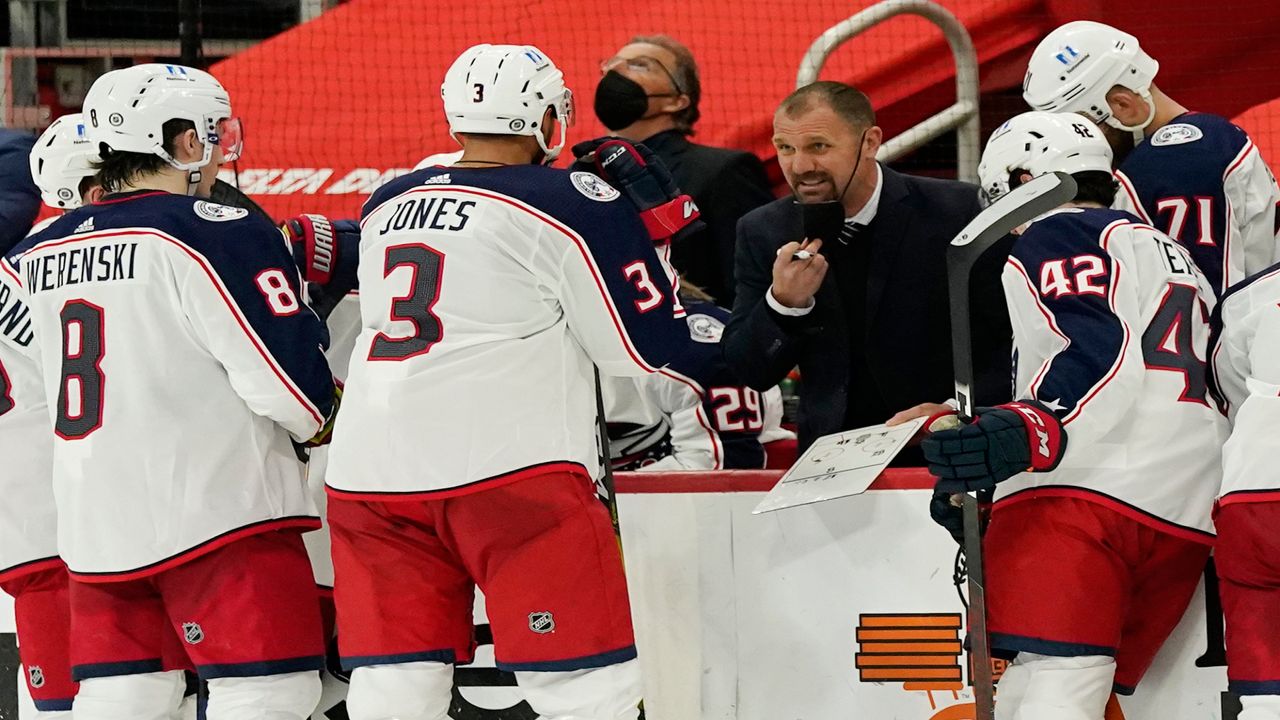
798,270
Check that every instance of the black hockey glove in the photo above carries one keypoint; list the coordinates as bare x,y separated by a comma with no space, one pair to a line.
636,172
1001,442
950,515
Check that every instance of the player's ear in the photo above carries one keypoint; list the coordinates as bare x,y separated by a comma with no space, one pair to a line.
187,147
1127,107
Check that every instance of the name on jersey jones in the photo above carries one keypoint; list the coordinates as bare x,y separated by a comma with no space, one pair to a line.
432,213
75,265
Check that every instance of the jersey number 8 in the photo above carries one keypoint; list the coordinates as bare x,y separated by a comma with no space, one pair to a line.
80,391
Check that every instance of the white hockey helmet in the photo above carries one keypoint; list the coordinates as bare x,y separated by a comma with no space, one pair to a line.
1039,143
127,110
506,90
1076,65
61,159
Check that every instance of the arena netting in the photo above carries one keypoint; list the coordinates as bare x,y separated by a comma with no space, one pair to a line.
335,106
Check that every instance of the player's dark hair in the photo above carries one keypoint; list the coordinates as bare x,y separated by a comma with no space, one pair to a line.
850,103
685,73
118,169
1096,186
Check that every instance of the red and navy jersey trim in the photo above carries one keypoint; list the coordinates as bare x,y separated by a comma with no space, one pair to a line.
294,522
1130,511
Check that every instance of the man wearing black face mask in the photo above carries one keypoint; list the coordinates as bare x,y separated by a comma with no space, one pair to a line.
847,279
649,93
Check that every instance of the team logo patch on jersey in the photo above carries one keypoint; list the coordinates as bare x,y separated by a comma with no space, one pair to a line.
704,328
213,212
1176,134
593,187
192,633
542,622
37,676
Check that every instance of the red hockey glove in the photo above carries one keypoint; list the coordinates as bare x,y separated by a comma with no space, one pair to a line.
315,246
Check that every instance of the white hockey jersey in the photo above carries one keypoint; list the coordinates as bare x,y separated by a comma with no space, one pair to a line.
485,296
28,517
1110,320
1246,379
1203,182
178,362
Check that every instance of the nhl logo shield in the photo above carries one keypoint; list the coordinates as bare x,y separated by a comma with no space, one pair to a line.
37,676
542,622
192,633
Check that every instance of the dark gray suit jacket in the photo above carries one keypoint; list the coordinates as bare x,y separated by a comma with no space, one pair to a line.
908,326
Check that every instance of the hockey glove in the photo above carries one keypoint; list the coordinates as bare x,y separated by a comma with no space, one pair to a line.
324,251
1001,442
325,435
640,175
946,510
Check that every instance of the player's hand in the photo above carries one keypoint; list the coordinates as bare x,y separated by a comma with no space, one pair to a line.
795,282
320,246
325,434
1001,442
640,175
947,510
923,410
947,514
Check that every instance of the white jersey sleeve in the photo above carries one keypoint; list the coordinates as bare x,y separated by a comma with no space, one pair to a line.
1251,189
28,515
1246,378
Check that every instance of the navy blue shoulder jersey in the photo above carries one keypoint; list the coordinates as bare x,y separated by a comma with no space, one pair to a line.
1201,180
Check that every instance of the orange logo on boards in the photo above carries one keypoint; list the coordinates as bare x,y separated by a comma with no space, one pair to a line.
923,651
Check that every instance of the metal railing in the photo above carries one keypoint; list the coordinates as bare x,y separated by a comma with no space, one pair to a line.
962,116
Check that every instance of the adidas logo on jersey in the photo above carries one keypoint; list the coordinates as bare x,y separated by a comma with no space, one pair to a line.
85,226
438,180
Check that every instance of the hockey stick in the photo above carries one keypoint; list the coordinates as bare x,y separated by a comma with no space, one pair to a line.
996,221
606,460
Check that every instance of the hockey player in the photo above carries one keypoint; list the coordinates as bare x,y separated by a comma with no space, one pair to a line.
178,362
466,453
1194,175
30,569
1100,527
692,415
1246,379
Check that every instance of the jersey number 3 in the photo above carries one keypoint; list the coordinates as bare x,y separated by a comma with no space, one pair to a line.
80,390
415,307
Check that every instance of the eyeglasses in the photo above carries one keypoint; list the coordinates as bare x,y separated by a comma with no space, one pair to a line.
642,64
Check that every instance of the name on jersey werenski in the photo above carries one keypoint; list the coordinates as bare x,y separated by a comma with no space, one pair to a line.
430,213
15,317
103,262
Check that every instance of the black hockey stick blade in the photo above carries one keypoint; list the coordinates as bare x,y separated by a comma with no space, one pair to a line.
1020,206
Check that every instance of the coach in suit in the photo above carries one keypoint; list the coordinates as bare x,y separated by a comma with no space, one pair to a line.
866,317
649,92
